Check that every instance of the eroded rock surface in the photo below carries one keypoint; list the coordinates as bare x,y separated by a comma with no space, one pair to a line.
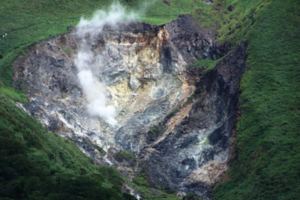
195,153
175,120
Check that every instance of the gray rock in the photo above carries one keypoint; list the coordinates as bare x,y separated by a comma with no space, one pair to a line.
134,83
147,74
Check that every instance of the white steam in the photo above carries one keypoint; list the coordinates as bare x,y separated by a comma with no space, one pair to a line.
86,32
94,26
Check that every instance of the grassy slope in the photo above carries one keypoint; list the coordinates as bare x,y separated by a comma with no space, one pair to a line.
268,131
36,164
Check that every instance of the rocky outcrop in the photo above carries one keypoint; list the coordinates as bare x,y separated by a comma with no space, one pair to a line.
196,150
175,120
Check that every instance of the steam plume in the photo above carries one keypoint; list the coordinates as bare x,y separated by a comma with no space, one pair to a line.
86,32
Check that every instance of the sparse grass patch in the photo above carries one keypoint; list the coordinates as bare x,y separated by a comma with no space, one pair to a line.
66,50
156,130
121,155
208,63
100,149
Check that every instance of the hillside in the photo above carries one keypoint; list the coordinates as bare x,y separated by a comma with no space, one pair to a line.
36,164
267,166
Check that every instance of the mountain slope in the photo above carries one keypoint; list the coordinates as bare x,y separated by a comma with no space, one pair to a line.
267,165
268,160
36,164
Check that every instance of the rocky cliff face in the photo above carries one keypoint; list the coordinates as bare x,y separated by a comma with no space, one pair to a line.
176,120
195,153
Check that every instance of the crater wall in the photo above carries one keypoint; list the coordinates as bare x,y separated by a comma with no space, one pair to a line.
177,121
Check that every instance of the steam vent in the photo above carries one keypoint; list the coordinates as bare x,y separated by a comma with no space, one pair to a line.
176,122
149,100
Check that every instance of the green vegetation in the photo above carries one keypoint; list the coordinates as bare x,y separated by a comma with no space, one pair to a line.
141,180
66,50
173,112
268,131
36,164
156,130
232,26
100,149
141,185
14,94
123,155
157,12
208,63
191,197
